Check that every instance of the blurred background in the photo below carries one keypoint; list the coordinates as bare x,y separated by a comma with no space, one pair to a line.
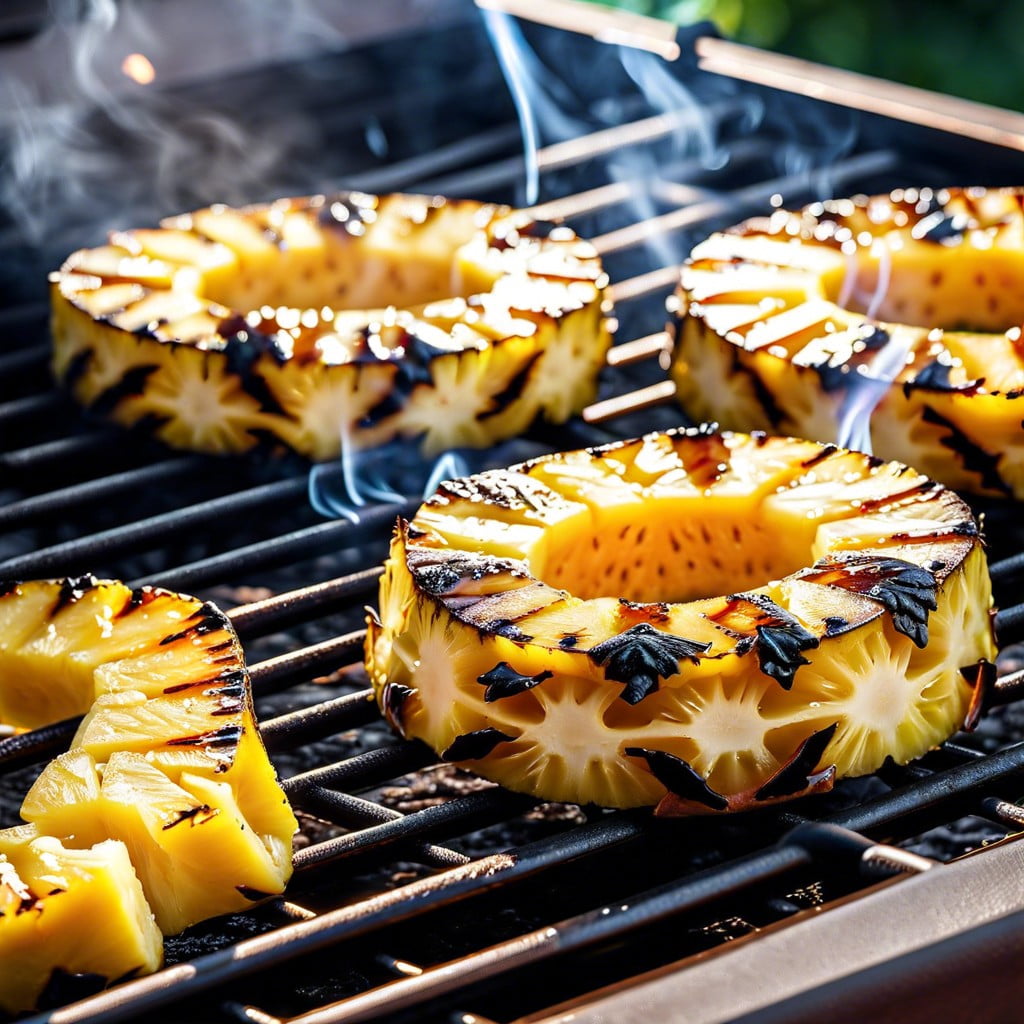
970,48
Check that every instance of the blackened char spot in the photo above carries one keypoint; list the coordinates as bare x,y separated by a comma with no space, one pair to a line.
874,337
395,696
798,773
982,678
243,347
941,227
935,377
761,390
188,815
132,382
73,589
781,639
340,211
568,641
76,367
512,390
472,746
412,358
139,596
642,655
508,629
504,681
835,624
974,458
833,376
679,777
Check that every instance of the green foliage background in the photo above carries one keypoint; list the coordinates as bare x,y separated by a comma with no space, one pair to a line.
972,48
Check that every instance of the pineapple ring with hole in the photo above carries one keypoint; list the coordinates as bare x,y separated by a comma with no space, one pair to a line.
552,626
165,811
918,291
351,318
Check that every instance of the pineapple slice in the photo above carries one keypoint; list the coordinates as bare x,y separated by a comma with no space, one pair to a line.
334,319
69,917
167,761
555,627
913,297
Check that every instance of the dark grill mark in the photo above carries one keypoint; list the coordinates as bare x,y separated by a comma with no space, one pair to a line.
208,619
826,451
228,736
77,367
974,458
512,390
73,589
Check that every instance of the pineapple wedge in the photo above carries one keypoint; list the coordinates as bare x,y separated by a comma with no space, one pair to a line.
51,899
167,764
913,297
555,626
346,319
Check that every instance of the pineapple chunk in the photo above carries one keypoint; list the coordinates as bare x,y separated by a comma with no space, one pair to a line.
589,660
167,766
347,318
778,322
69,912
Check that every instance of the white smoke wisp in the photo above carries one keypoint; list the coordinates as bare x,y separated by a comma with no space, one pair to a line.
867,385
540,98
100,147
693,140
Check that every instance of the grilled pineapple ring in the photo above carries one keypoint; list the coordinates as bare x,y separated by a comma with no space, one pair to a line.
915,297
355,317
551,625
166,809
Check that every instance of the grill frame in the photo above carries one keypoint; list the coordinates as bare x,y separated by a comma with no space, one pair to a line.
945,786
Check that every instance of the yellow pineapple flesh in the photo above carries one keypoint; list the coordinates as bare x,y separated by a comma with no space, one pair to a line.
338,319
702,621
69,912
167,763
790,323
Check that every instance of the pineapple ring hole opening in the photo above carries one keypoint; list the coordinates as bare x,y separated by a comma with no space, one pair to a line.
674,553
954,288
349,273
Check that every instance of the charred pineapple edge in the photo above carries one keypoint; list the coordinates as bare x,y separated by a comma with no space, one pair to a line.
419,641
125,938
530,341
943,417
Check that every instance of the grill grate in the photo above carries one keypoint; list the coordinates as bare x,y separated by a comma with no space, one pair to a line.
418,891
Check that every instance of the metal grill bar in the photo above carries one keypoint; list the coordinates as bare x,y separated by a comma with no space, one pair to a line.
298,605
305,937
142,534
286,548
78,496
967,782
